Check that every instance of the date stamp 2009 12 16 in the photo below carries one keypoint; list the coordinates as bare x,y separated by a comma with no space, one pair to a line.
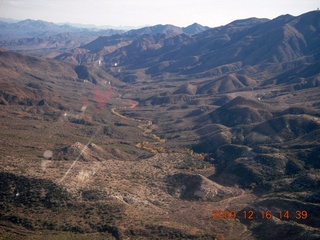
264,214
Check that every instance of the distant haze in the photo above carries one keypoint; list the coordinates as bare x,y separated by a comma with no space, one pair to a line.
145,12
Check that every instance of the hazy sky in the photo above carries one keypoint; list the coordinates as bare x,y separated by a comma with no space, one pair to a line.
151,12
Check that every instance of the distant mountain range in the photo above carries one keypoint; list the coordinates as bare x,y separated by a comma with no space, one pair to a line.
40,38
37,28
277,49
32,28
286,47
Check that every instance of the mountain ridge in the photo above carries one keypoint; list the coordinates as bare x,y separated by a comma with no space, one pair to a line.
229,45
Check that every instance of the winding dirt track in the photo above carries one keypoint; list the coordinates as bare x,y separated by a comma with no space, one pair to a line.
228,200
144,125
